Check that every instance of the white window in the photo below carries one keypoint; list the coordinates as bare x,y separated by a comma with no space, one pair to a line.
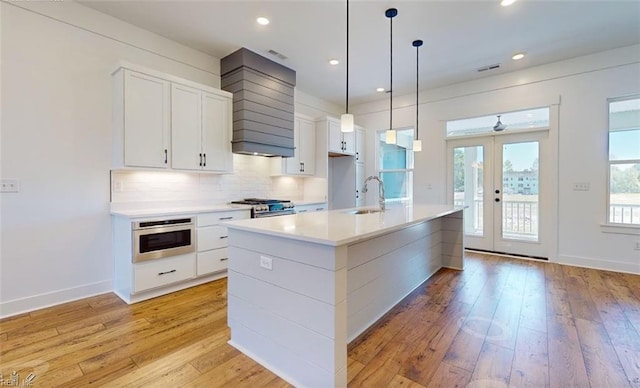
395,164
624,161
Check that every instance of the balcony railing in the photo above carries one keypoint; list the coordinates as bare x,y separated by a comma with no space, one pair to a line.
519,219
624,214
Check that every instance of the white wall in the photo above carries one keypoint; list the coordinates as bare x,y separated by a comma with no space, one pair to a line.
583,85
56,124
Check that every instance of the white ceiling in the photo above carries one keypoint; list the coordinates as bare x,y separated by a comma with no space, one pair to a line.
459,36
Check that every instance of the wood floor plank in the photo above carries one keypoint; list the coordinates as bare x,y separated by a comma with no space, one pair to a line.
582,306
103,376
403,382
534,306
493,366
530,366
173,377
353,368
18,342
600,359
625,291
557,296
448,375
630,360
566,362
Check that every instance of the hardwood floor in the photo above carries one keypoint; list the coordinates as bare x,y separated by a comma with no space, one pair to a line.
500,322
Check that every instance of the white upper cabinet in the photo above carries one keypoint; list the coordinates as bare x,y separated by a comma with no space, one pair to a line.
342,143
200,130
143,111
169,122
304,160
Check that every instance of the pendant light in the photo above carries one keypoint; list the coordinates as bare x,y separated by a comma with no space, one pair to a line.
390,134
417,143
346,120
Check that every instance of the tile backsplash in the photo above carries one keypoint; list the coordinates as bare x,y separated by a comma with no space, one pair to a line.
251,178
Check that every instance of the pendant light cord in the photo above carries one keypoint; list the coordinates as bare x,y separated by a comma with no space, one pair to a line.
417,43
391,74
347,91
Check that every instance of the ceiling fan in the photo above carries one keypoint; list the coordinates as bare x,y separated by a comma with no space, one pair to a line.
499,125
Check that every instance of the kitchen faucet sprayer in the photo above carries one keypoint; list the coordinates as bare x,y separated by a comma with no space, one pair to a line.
381,199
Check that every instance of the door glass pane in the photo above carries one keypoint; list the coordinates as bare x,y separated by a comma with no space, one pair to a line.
520,187
468,177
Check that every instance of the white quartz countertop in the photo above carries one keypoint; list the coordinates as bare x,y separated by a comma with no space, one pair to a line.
161,209
339,227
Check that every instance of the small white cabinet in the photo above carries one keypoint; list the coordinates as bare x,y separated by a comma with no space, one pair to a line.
200,130
340,143
141,119
303,163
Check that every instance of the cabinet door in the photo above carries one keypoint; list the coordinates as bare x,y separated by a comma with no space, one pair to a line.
307,146
349,139
185,128
335,136
359,183
292,165
146,120
360,144
216,132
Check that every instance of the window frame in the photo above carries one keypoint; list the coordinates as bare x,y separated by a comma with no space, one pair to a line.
379,171
612,226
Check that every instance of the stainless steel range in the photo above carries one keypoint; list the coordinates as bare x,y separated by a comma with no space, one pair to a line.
268,207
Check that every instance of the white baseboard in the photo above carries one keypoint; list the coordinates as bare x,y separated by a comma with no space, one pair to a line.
616,266
36,302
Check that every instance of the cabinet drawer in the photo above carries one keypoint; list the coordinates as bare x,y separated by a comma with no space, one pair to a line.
208,219
159,273
311,208
211,261
211,237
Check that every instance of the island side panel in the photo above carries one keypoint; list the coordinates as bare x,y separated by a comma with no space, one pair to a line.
291,318
453,240
385,269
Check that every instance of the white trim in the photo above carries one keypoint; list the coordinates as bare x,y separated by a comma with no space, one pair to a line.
36,302
632,230
496,134
606,265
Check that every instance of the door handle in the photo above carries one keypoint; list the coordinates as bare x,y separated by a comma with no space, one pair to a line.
497,199
497,191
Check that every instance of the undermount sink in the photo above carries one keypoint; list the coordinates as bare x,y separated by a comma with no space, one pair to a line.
364,211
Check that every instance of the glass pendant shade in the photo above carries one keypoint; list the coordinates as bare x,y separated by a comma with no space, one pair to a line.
346,122
390,136
417,145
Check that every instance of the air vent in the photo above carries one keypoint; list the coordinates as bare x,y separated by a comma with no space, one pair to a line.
277,54
490,67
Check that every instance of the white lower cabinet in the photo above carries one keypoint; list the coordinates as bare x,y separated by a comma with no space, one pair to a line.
211,240
313,207
158,273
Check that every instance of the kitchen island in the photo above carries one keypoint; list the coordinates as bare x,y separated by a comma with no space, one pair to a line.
301,287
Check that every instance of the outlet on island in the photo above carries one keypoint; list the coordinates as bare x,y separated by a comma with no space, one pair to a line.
266,262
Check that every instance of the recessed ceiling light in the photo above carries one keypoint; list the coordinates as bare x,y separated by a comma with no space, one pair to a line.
262,21
333,62
506,3
517,56
380,90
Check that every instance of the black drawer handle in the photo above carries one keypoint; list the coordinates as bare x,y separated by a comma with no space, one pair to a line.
319,208
166,272
224,259
225,218
221,237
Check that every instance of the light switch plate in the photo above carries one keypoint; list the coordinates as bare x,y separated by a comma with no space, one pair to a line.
580,186
9,186
266,262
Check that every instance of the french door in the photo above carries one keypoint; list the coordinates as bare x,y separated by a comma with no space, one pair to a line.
505,180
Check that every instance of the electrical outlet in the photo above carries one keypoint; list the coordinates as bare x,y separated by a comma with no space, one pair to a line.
266,262
580,186
118,186
10,186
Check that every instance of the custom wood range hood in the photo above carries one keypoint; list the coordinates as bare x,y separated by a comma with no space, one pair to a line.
263,103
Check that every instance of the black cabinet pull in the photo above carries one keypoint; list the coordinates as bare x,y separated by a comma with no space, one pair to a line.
205,160
221,237
357,156
165,156
224,259
225,218
166,272
200,155
302,166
